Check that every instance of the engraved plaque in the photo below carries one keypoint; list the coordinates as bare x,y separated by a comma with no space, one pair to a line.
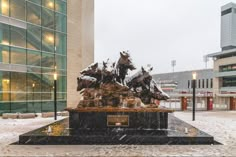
118,120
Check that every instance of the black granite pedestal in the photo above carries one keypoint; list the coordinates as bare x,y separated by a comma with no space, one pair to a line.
94,133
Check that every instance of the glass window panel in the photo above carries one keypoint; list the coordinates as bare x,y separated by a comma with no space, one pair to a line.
34,70
18,107
47,83
47,60
33,13
4,34
35,1
4,85
34,106
15,96
48,4
61,84
60,6
33,37
47,106
18,82
61,22
48,40
18,36
61,43
33,58
4,107
47,18
61,105
18,56
61,62
4,54
4,6
33,82
17,9
48,71
61,96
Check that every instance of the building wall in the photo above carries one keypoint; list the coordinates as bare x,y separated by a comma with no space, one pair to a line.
217,81
80,44
33,38
228,26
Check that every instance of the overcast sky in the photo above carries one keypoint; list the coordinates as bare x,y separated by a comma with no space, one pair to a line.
158,31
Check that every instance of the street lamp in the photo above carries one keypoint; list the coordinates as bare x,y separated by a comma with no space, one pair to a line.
55,96
194,86
33,85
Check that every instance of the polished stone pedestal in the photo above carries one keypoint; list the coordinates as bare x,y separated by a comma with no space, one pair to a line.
107,118
62,134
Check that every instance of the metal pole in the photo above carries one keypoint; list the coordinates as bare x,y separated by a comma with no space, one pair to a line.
55,99
33,99
194,86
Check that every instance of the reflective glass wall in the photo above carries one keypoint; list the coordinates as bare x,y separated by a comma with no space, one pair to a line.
32,47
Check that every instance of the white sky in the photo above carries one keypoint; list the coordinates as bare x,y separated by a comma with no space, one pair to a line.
158,31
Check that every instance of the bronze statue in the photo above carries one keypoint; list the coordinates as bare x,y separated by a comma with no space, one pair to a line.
106,84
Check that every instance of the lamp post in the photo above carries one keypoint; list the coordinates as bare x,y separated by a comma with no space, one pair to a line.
194,95
33,85
55,96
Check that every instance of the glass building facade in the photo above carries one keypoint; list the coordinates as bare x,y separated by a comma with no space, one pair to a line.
33,37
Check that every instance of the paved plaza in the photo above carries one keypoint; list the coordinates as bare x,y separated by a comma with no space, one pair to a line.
220,124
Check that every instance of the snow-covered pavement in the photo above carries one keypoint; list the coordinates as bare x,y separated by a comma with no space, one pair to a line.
220,124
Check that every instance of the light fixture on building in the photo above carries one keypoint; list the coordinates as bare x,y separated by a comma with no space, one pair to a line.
6,81
50,38
33,85
4,42
51,5
4,7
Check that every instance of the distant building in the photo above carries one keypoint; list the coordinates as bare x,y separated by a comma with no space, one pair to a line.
224,83
228,26
179,87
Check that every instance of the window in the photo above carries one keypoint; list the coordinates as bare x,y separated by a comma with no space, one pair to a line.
60,6
199,83
203,83
229,81
33,37
4,34
18,37
33,58
4,54
60,62
60,22
48,4
33,13
227,11
4,86
48,60
18,84
206,83
17,9
4,5
48,40
47,18
188,83
61,43
211,83
35,1
18,56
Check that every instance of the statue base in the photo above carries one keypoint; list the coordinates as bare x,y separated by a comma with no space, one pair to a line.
117,126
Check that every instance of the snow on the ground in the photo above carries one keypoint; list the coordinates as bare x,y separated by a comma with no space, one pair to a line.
220,124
